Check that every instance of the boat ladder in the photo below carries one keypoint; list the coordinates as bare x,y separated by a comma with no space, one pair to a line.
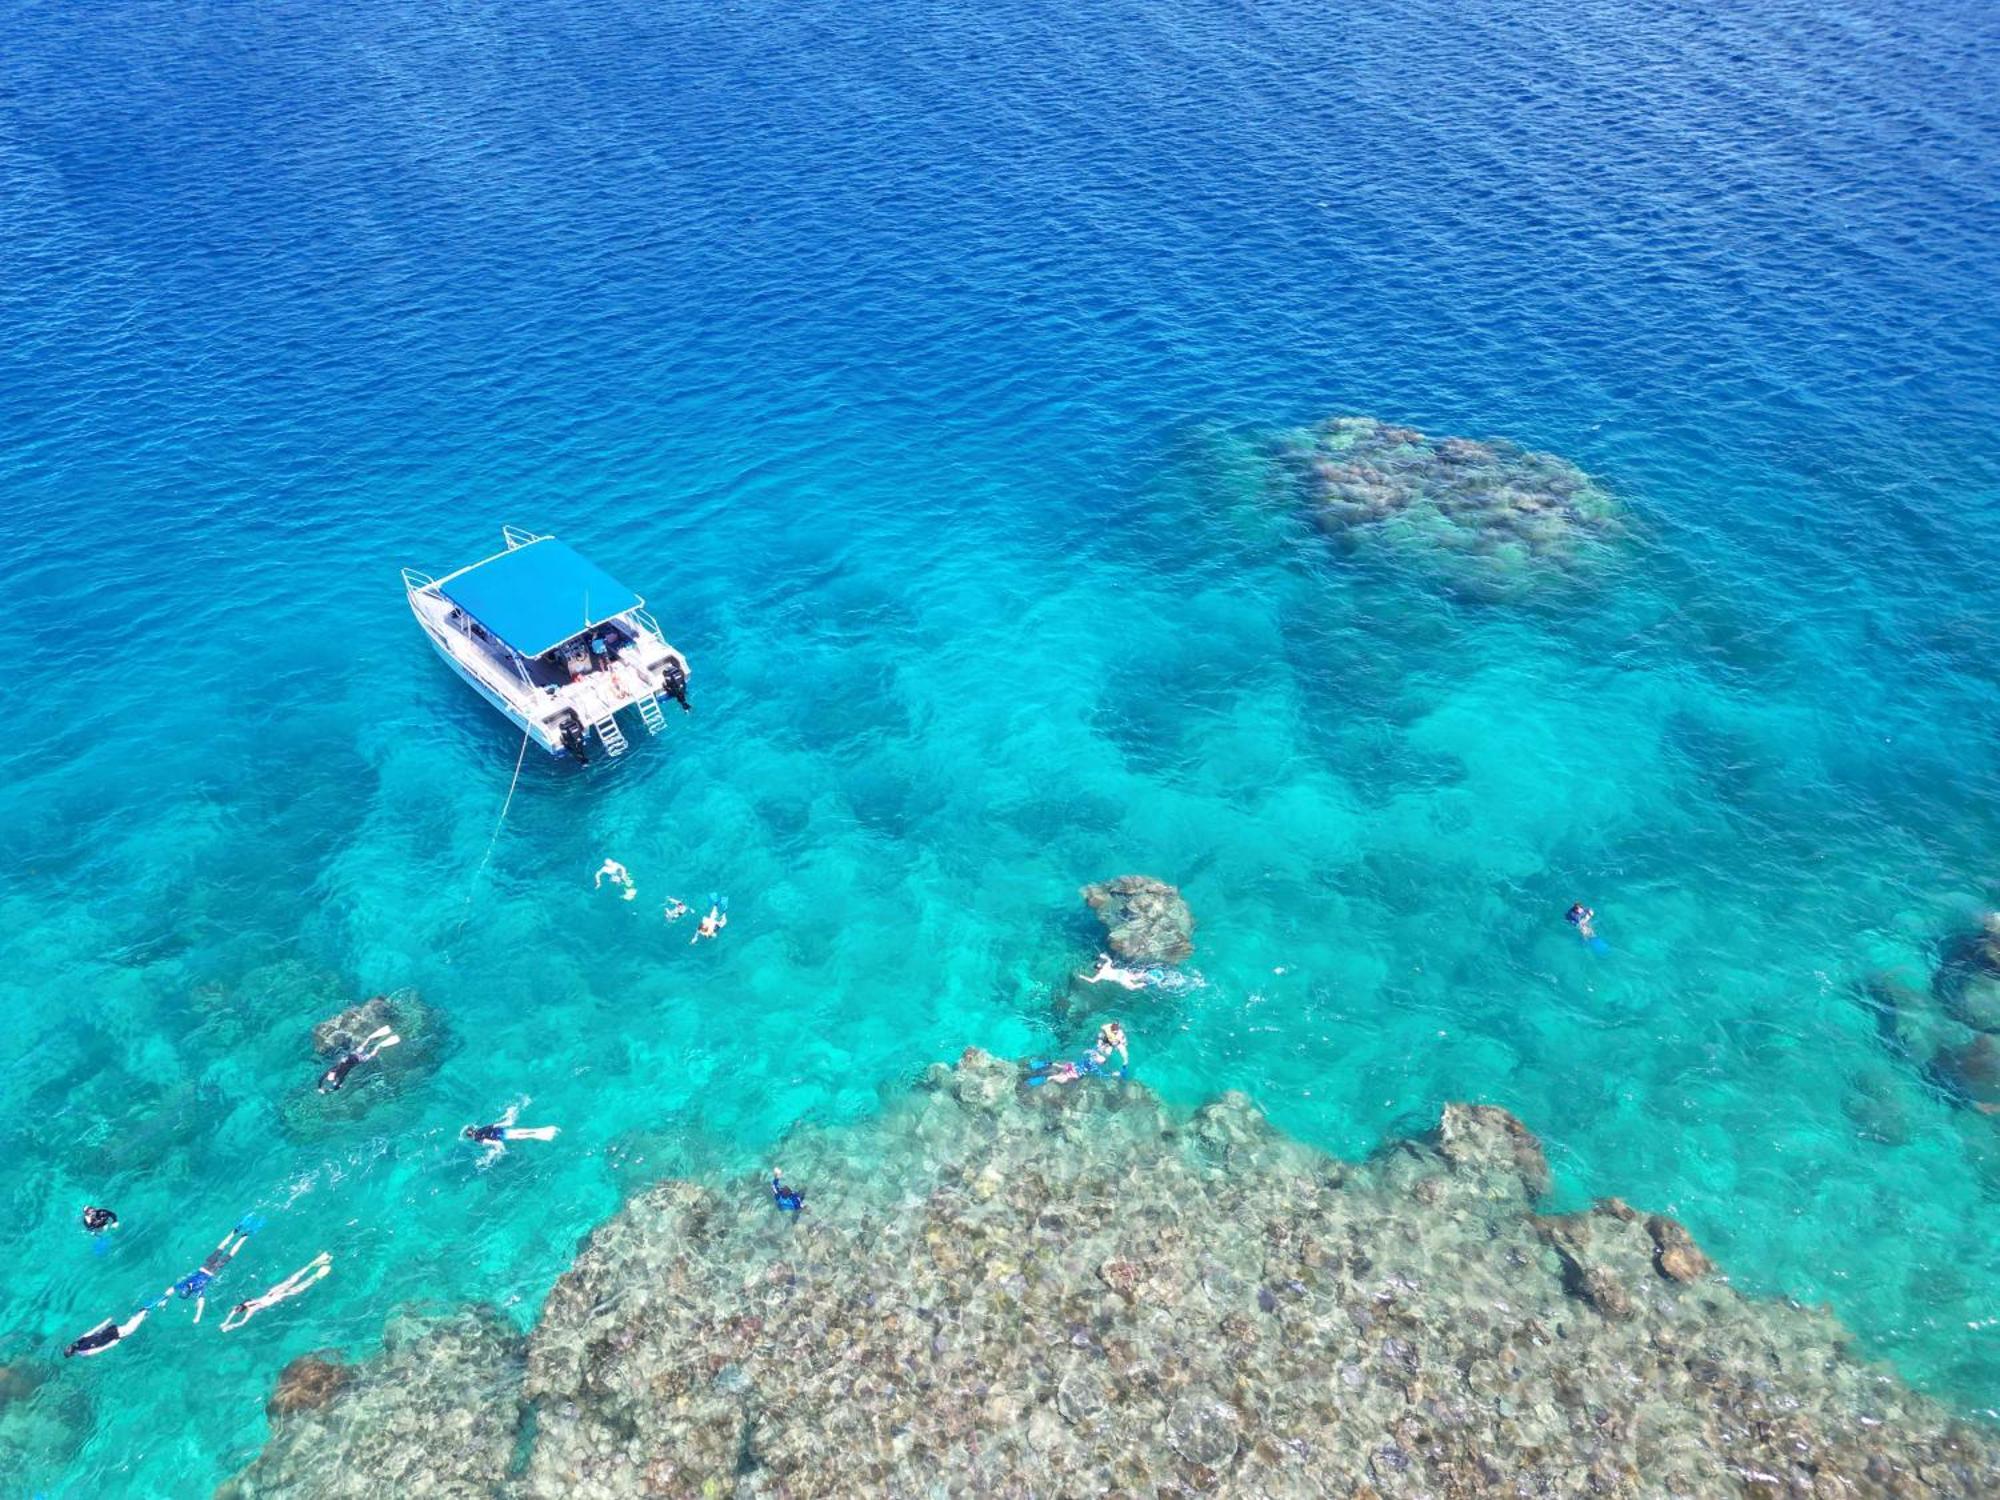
649,710
609,735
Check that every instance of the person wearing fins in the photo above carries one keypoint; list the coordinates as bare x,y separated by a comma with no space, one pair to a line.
618,875
196,1283
331,1080
107,1333
291,1286
495,1137
712,924
789,1200
1580,917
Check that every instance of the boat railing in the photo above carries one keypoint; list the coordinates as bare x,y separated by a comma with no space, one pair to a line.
646,621
520,537
416,580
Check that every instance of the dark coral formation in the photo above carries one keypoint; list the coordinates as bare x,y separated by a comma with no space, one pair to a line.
1003,1291
1495,514
435,1414
1951,1029
1145,920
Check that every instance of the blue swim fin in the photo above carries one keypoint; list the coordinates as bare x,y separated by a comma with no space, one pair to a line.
1597,945
249,1223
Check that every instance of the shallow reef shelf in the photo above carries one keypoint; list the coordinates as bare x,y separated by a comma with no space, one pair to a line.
999,1290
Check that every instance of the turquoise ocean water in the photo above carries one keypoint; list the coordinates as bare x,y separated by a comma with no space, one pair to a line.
914,365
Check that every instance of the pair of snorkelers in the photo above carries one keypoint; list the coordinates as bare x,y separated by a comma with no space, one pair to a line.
1110,1040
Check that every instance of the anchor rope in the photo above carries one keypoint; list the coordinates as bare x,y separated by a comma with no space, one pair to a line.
472,887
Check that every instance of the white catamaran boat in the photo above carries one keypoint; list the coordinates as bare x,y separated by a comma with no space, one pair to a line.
553,641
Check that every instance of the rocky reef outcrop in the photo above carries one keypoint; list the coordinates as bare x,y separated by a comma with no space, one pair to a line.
1950,1028
435,1414
1493,515
307,1113
1003,1291
1145,920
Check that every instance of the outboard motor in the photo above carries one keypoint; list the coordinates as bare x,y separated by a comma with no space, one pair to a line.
572,739
674,683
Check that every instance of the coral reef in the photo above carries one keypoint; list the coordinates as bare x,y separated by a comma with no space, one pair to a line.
425,1043
1004,1291
1145,920
434,1414
1495,515
1949,1029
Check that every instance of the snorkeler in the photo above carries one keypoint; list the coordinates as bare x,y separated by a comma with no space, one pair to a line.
196,1283
676,909
495,1137
617,874
291,1286
1580,917
714,922
331,1080
97,1220
1110,1039
1131,979
789,1200
107,1333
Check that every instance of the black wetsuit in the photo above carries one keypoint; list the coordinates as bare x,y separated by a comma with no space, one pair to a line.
103,1338
95,1219
489,1133
331,1080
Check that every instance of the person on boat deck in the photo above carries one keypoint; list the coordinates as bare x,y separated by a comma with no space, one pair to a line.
105,1334
711,925
333,1078
1131,979
789,1200
97,1220
495,1137
617,874
604,649
291,1286
196,1283
1580,917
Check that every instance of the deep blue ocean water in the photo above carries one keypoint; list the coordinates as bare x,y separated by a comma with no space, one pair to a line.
915,363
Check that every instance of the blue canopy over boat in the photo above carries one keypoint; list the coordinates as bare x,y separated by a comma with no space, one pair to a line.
537,596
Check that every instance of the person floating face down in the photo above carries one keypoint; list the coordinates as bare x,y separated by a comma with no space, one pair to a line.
196,1283
333,1078
1580,917
496,1136
105,1334
291,1286
789,1200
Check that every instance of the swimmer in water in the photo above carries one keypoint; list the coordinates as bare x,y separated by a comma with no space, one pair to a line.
196,1283
1580,917
331,1080
711,925
97,1220
1131,979
105,1334
291,1286
617,874
676,909
789,1200
1110,1039
495,1137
